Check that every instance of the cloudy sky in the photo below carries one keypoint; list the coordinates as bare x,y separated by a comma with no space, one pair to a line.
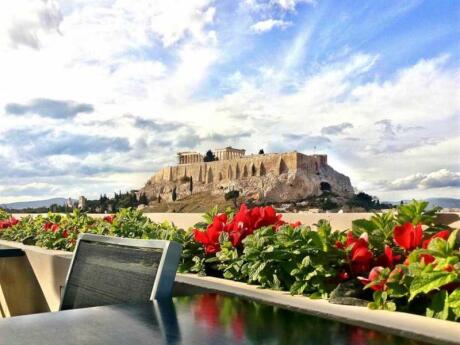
95,95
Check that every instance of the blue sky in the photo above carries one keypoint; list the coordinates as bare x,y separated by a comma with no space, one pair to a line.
97,95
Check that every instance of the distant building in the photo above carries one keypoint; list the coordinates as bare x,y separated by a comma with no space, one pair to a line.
69,203
82,202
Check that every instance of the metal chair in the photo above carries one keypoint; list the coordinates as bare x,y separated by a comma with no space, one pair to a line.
112,270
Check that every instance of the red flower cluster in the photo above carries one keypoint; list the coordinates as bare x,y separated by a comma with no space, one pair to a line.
244,222
360,257
48,226
109,218
4,224
407,237
53,227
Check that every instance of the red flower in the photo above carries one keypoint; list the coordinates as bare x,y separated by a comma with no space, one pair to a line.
54,227
242,222
296,224
375,277
109,218
361,257
210,237
407,236
5,224
427,258
245,221
65,234
343,275
441,234
47,226
388,259
265,216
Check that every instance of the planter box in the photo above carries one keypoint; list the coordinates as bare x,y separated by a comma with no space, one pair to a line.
46,270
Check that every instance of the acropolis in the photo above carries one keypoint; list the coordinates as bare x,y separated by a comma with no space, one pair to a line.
275,177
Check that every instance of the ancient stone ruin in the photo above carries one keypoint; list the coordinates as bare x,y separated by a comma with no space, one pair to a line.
275,177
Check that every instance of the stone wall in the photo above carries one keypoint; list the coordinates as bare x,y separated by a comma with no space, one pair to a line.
247,166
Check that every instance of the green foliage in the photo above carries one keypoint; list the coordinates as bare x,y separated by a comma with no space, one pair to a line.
365,201
60,231
379,227
454,303
143,199
3,214
328,204
294,258
416,212
299,260
209,157
430,281
27,229
381,302
231,195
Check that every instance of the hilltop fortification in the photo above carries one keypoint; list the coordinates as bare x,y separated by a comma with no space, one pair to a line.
275,177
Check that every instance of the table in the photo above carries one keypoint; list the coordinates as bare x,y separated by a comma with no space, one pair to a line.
7,252
204,319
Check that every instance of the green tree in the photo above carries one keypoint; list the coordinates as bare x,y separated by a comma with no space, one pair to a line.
210,157
143,199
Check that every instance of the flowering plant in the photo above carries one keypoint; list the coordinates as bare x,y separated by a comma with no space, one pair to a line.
399,260
236,227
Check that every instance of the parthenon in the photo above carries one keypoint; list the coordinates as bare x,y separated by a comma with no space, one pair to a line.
226,153
229,153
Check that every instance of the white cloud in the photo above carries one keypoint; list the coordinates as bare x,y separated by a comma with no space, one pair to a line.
25,22
286,5
291,4
269,24
442,178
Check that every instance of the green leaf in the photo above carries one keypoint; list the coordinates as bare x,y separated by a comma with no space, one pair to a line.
430,281
454,302
452,240
363,225
439,307
439,247
390,306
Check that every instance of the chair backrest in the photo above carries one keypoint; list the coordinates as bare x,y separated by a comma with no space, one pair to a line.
111,270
